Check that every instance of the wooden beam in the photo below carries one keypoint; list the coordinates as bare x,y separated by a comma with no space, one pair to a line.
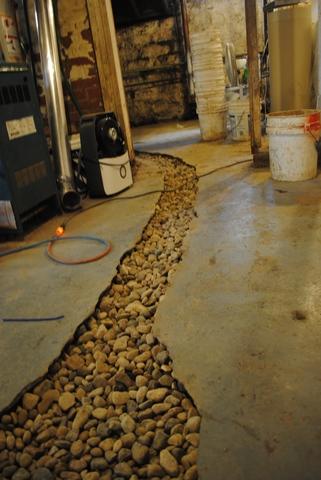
254,74
108,64
187,42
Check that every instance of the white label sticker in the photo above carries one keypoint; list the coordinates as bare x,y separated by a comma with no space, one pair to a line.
7,218
21,127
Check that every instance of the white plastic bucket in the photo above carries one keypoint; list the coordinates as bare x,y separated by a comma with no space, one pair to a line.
213,125
209,81
239,119
211,105
209,87
292,135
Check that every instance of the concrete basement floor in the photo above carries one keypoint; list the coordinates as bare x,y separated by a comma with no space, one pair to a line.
31,285
242,319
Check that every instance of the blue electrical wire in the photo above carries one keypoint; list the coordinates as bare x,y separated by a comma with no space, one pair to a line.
25,247
26,320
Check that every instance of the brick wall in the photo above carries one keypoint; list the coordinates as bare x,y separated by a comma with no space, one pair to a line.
78,59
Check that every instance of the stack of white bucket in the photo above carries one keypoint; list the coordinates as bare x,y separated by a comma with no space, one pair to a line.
209,79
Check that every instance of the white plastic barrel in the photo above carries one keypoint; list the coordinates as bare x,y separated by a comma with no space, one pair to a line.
292,136
239,119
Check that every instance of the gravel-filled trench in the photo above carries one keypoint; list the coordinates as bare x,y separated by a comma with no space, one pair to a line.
110,407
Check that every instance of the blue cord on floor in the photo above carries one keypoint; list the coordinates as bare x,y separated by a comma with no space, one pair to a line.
49,319
25,247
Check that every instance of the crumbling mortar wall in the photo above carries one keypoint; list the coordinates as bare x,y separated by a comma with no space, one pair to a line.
228,16
154,71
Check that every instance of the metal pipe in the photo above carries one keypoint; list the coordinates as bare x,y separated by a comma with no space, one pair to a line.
230,64
45,23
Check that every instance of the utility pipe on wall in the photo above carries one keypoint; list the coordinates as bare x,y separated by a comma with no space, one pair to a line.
45,23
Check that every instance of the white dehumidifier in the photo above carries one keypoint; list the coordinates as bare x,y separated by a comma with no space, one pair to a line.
104,155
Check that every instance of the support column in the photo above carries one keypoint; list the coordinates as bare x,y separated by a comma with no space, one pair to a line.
108,63
254,75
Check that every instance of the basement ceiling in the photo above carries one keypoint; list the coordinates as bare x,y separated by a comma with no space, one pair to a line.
130,12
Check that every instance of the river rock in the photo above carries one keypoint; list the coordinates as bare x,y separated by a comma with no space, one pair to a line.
160,440
141,381
99,464
75,362
77,448
154,470
78,465
190,459
119,398
157,395
92,476
176,440
30,400
128,440
42,474
81,417
193,425
140,453
100,413
169,463
25,460
21,474
160,408
193,439
120,344
128,424
66,401
48,398
137,307
123,470
166,381
191,473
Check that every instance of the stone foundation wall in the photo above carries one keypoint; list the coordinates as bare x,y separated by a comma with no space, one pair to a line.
153,64
152,57
228,16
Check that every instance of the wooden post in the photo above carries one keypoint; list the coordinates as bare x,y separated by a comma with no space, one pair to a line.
108,64
187,42
254,75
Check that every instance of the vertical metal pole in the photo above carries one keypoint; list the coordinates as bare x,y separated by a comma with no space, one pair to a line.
46,31
254,75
